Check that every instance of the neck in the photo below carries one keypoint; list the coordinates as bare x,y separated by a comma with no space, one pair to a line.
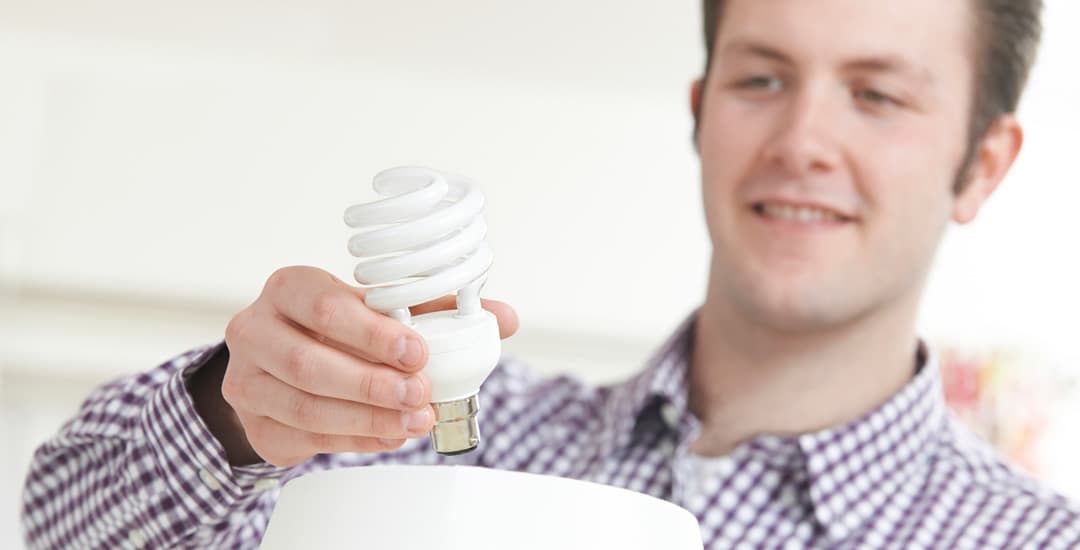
748,379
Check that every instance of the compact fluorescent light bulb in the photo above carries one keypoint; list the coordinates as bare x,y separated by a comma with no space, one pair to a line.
423,241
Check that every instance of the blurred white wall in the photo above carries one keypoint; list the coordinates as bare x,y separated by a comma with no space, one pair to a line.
159,160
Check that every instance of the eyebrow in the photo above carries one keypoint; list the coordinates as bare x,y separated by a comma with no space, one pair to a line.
871,64
756,49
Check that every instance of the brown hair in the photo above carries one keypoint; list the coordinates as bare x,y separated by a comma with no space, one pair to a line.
1007,35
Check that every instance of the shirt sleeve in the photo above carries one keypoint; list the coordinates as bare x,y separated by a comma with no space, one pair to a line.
137,467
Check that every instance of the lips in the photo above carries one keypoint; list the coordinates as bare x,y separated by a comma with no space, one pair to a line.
800,212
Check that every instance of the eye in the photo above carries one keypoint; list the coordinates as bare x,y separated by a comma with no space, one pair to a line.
876,97
760,83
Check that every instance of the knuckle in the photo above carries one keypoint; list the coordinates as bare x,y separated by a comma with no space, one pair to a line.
323,311
258,438
379,337
237,328
387,424
320,442
300,366
305,410
277,280
367,387
232,389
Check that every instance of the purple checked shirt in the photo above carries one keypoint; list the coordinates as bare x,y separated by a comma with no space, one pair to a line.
137,467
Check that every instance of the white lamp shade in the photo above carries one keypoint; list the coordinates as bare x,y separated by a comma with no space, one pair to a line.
460,507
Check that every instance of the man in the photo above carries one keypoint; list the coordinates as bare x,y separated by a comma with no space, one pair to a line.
796,408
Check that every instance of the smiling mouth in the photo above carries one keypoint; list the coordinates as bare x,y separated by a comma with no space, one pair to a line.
799,213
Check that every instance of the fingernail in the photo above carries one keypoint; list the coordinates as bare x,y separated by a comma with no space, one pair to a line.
411,392
409,351
416,420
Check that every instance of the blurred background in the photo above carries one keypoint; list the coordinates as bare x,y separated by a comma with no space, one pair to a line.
158,160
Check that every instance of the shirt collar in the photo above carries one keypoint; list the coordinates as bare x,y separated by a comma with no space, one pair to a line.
852,468
664,377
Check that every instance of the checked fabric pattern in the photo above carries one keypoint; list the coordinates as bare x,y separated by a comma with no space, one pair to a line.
136,467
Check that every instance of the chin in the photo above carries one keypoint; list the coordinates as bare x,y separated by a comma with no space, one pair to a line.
792,308
796,296
791,318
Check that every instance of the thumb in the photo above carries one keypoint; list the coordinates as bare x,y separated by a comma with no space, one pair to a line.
504,314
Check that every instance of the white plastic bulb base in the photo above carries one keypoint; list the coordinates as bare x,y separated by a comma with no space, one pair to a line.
462,352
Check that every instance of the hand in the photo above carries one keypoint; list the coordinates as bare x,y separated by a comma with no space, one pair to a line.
312,369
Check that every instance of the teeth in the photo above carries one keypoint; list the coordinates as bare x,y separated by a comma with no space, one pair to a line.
803,214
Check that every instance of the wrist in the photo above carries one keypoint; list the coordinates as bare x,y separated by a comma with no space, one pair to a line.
204,386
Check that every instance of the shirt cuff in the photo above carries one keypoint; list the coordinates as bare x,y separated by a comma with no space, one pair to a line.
190,459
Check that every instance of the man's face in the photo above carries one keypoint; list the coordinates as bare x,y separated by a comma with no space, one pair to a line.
831,133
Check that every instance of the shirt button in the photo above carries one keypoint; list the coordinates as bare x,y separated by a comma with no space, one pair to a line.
670,415
209,480
788,497
264,484
137,538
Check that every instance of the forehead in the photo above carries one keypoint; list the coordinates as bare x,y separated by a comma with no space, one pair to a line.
938,36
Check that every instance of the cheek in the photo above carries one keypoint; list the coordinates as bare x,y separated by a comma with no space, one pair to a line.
904,173
917,207
910,201
728,146
909,168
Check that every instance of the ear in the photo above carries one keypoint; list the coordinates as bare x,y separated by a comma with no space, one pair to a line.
994,155
695,109
695,98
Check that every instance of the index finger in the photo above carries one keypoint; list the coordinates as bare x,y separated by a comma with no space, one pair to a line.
325,306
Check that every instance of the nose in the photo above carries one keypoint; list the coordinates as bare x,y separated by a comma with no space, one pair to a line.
802,142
